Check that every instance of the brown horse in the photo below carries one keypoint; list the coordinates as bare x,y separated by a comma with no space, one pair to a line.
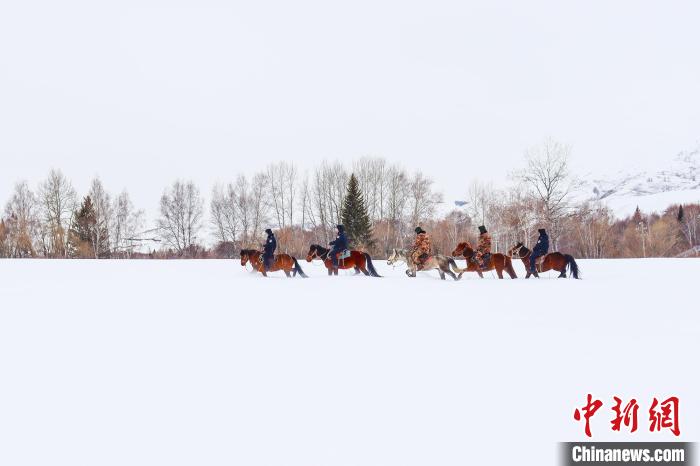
552,261
360,261
283,262
497,261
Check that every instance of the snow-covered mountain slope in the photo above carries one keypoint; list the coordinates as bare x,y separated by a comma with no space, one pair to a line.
651,190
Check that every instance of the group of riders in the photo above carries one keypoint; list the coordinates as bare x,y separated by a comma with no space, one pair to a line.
420,252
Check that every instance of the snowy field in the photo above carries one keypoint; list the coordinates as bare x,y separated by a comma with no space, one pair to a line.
203,363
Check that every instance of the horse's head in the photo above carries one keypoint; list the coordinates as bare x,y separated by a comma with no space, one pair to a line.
313,252
463,249
394,257
515,249
248,255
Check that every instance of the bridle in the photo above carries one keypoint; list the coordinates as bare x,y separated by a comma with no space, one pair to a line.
315,254
520,256
397,258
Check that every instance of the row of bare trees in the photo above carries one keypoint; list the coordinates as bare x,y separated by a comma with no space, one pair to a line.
304,207
38,223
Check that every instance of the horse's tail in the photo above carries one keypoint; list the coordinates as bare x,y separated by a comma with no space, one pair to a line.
573,266
370,266
455,267
297,268
509,267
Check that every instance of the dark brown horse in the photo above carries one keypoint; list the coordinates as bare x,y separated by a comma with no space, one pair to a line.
497,261
358,260
552,261
283,262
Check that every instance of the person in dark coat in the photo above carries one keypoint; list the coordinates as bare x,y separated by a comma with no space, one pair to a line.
339,244
540,249
269,250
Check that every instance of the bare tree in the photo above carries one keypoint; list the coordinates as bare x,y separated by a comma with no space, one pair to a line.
282,179
58,200
422,200
258,206
224,214
371,177
549,180
394,208
480,200
126,225
22,226
181,210
102,204
327,194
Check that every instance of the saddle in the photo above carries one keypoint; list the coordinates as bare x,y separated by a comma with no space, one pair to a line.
486,258
422,259
538,263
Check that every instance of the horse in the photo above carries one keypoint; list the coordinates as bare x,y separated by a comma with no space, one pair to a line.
283,262
552,261
438,261
360,261
497,261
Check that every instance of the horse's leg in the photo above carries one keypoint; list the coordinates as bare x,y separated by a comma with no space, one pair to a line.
362,265
442,274
357,270
562,270
286,272
481,275
499,272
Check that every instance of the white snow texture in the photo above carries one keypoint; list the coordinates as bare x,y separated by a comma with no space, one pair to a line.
203,363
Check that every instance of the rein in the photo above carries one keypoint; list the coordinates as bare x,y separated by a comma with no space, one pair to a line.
323,256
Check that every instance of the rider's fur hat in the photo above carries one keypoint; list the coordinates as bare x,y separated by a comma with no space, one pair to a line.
268,231
482,229
419,230
340,227
542,231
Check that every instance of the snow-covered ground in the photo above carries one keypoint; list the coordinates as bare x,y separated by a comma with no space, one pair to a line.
203,363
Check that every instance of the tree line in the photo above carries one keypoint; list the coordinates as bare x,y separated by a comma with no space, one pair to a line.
382,202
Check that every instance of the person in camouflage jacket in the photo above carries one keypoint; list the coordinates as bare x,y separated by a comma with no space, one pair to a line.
421,247
483,248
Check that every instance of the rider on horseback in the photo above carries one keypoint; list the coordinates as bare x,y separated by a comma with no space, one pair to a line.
339,244
483,248
540,249
269,250
421,248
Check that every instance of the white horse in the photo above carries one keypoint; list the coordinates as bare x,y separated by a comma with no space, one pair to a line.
435,262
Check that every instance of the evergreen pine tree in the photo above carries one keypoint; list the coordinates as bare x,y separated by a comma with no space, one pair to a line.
84,231
637,217
355,217
681,214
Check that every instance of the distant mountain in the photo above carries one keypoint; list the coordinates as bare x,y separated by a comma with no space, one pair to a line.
652,191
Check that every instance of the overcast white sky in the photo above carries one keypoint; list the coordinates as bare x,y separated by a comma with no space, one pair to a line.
143,92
